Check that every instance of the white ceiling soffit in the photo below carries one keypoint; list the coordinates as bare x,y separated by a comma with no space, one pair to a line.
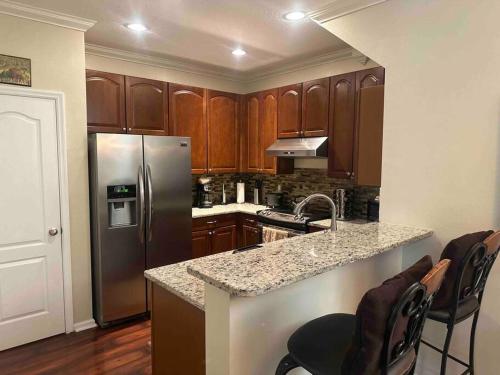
341,8
218,72
46,16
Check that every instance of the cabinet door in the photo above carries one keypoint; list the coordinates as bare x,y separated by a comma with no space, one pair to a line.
250,235
223,134
252,139
268,129
315,97
289,111
369,125
201,243
147,106
187,118
223,239
105,102
341,136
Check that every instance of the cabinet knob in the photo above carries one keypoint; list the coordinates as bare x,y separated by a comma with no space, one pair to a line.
348,174
129,129
124,129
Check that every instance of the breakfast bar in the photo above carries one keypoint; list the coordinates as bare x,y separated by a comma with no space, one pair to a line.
232,313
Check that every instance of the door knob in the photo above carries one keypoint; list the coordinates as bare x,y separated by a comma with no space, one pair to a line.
53,231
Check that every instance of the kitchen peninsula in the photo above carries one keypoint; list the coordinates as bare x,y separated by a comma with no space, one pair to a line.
232,313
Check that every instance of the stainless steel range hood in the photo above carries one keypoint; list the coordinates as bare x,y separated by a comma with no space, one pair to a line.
300,147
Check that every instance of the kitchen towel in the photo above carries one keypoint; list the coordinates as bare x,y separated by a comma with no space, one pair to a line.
270,234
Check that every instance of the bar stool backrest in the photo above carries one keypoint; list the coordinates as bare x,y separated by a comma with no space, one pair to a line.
474,271
407,318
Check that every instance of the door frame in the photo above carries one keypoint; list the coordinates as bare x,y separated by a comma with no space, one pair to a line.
59,105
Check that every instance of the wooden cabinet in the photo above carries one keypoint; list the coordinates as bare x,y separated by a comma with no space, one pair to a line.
315,97
252,130
289,111
356,124
223,127
200,243
341,140
147,106
223,239
259,131
188,119
248,231
105,102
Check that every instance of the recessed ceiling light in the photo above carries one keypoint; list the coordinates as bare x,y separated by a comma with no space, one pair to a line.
296,15
239,52
136,26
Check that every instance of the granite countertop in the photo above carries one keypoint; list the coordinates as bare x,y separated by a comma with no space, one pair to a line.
326,223
176,280
247,208
284,262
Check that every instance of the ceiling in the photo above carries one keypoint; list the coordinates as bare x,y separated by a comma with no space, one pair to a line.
205,31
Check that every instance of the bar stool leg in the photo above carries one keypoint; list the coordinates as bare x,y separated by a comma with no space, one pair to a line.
286,364
446,348
472,342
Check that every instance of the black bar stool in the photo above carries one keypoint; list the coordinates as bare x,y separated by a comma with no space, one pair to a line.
472,257
382,337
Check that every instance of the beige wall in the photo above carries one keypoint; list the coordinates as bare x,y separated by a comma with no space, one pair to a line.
58,62
441,152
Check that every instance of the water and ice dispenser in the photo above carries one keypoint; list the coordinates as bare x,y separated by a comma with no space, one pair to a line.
121,205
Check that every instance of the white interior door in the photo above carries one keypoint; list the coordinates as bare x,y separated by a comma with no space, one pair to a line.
31,273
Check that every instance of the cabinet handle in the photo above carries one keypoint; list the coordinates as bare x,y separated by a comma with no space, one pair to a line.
212,222
250,221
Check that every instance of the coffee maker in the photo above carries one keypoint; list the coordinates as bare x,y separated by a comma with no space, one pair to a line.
204,193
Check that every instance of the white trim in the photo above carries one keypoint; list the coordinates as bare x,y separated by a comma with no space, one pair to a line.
86,324
341,8
163,62
58,98
46,16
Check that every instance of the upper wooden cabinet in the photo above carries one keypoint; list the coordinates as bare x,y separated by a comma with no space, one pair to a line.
341,140
105,102
315,96
289,111
147,106
356,124
259,130
223,135
188,119
252,128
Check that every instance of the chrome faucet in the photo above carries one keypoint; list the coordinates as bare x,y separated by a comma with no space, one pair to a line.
300,207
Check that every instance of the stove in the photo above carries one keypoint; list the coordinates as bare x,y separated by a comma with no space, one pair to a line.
285,218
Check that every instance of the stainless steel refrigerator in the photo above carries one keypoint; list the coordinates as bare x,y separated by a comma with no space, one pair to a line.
140,198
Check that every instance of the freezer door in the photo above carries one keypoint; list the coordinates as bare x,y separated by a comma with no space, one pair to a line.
167,165
118,245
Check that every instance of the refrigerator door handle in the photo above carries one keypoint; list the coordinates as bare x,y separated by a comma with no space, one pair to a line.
140,183
149,184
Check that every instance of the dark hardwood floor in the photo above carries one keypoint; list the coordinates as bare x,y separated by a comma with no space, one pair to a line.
122,350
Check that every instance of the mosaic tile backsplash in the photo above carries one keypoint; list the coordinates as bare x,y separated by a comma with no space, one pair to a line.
301,183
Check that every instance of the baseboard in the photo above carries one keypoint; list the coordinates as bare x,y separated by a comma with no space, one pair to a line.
86,324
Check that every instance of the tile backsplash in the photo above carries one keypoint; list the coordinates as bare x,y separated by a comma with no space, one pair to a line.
301,183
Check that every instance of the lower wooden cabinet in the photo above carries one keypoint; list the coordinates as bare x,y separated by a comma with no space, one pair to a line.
216,234
223,239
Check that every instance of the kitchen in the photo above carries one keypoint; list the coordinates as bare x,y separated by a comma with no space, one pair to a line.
196,178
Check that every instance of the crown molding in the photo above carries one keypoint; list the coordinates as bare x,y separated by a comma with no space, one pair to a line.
173,63
222,73
12,8
341,8
287,68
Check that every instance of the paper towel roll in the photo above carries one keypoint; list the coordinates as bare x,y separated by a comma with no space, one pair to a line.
240,192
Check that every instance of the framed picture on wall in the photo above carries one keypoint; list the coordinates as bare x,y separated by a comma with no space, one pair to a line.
15,70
